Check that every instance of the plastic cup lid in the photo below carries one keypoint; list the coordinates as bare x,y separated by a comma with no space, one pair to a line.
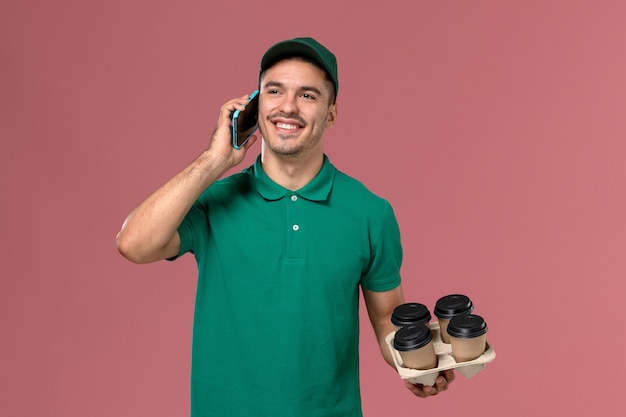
453,305
410,313
467,326
412,337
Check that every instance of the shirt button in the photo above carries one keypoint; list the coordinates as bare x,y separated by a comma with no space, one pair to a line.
294,197
295,227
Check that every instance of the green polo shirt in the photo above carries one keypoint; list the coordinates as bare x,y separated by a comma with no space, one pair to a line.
276,324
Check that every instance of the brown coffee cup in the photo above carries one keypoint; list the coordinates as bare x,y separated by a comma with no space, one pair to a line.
416,347
448,307
468,337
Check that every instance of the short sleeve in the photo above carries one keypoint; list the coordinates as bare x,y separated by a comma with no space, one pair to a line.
383,273
195,220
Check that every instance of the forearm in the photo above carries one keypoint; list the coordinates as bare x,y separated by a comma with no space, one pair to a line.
384,348
380,306
149,233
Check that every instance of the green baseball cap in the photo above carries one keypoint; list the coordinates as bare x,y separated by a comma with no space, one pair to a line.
305,47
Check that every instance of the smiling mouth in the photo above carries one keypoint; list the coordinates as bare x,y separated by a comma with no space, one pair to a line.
286,126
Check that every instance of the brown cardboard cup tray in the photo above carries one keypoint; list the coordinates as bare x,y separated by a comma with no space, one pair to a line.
445,360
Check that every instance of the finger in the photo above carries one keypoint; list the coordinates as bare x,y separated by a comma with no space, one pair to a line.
444,379
239,103
420,390
243,100
417,390
449,375
441,383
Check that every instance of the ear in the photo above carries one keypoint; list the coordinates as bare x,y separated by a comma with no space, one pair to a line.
332,116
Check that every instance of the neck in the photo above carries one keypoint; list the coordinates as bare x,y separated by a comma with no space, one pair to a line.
291,171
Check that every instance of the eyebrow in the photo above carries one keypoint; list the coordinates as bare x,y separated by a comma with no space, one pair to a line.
302,88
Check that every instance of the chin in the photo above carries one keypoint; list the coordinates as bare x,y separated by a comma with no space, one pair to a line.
285,150
283,146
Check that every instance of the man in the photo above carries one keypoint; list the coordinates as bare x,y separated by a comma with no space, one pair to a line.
282,249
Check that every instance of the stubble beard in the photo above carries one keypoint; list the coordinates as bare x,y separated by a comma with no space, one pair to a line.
283,146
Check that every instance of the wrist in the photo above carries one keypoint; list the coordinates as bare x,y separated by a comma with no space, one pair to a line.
211,166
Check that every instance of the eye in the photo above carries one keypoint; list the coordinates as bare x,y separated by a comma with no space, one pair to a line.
308,96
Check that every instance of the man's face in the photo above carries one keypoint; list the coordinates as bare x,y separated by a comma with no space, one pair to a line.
295,108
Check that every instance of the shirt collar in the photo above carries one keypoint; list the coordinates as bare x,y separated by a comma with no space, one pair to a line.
317,189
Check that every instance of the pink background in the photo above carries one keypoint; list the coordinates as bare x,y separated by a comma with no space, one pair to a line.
496,130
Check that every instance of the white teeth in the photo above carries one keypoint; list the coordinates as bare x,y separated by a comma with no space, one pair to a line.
286,126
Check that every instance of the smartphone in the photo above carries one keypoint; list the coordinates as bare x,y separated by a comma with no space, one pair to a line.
246,121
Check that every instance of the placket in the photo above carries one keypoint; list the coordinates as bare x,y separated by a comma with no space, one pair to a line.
296,227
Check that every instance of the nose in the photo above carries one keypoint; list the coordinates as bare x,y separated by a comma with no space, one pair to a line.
288,104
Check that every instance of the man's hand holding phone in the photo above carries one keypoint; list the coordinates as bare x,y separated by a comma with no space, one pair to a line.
221,145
